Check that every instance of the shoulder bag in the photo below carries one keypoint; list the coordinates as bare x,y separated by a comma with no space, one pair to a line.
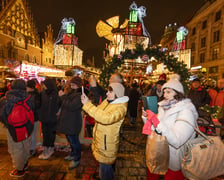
203,157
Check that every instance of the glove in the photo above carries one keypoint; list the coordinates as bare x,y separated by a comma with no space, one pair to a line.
155,121
152,118
150,114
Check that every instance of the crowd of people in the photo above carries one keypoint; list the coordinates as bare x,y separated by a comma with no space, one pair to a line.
60,105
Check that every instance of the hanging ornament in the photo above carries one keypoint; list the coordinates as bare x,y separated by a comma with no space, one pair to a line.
145,58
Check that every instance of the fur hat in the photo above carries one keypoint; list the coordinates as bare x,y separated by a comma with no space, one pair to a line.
76,80
174,83
18,84
31,84
118,89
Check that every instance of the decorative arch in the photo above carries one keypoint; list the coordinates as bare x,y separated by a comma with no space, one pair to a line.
172,63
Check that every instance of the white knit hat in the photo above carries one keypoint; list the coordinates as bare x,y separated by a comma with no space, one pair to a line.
118,89
174,83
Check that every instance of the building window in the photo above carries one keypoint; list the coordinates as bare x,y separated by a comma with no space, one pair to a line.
1,52
218,16
215,53
202,57
193,46
213,69
27,58
222,75
203,42
46,60
204,24
216,36
194,31
50,60
192,60
34,59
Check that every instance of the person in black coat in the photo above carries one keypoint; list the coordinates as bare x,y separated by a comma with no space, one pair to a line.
134,96
35,96
70,120
47,116
198,95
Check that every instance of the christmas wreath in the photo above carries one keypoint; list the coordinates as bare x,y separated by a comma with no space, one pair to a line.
172,64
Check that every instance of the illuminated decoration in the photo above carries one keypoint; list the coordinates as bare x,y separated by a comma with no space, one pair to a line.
66,51
183,56
133,16
67,55
141,12
127,35
29,71
67,27
180,41
111,26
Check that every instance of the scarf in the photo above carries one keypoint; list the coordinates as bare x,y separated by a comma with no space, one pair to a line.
168,104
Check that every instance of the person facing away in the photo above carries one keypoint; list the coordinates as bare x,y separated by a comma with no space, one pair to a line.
35,96
70,120
19,151
47,116
172,112
109,116
134,96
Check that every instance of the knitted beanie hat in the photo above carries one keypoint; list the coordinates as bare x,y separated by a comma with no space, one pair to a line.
76,80
118,89
174,83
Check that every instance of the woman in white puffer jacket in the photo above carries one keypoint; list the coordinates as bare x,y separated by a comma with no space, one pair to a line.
172,111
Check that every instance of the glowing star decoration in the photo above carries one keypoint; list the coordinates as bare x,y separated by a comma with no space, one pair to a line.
67,27
141,12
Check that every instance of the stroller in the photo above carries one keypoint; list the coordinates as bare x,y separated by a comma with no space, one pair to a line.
205,123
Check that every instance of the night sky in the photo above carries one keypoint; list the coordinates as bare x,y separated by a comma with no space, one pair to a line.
87,13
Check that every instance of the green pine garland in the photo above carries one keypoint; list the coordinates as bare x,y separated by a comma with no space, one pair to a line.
172,64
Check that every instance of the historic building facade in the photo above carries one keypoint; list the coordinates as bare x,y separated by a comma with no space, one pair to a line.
48,47
19,39
206,39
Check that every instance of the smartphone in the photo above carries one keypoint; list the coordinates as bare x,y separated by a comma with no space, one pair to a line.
144,102
151,103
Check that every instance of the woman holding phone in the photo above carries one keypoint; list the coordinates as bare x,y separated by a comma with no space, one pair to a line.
109,116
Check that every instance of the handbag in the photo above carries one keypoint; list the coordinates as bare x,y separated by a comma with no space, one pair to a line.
157,153
203,157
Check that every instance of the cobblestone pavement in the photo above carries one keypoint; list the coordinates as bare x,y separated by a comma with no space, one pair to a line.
130,164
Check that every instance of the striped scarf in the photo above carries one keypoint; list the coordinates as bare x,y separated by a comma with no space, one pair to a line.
168,104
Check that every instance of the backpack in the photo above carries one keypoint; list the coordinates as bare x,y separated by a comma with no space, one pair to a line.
21,121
